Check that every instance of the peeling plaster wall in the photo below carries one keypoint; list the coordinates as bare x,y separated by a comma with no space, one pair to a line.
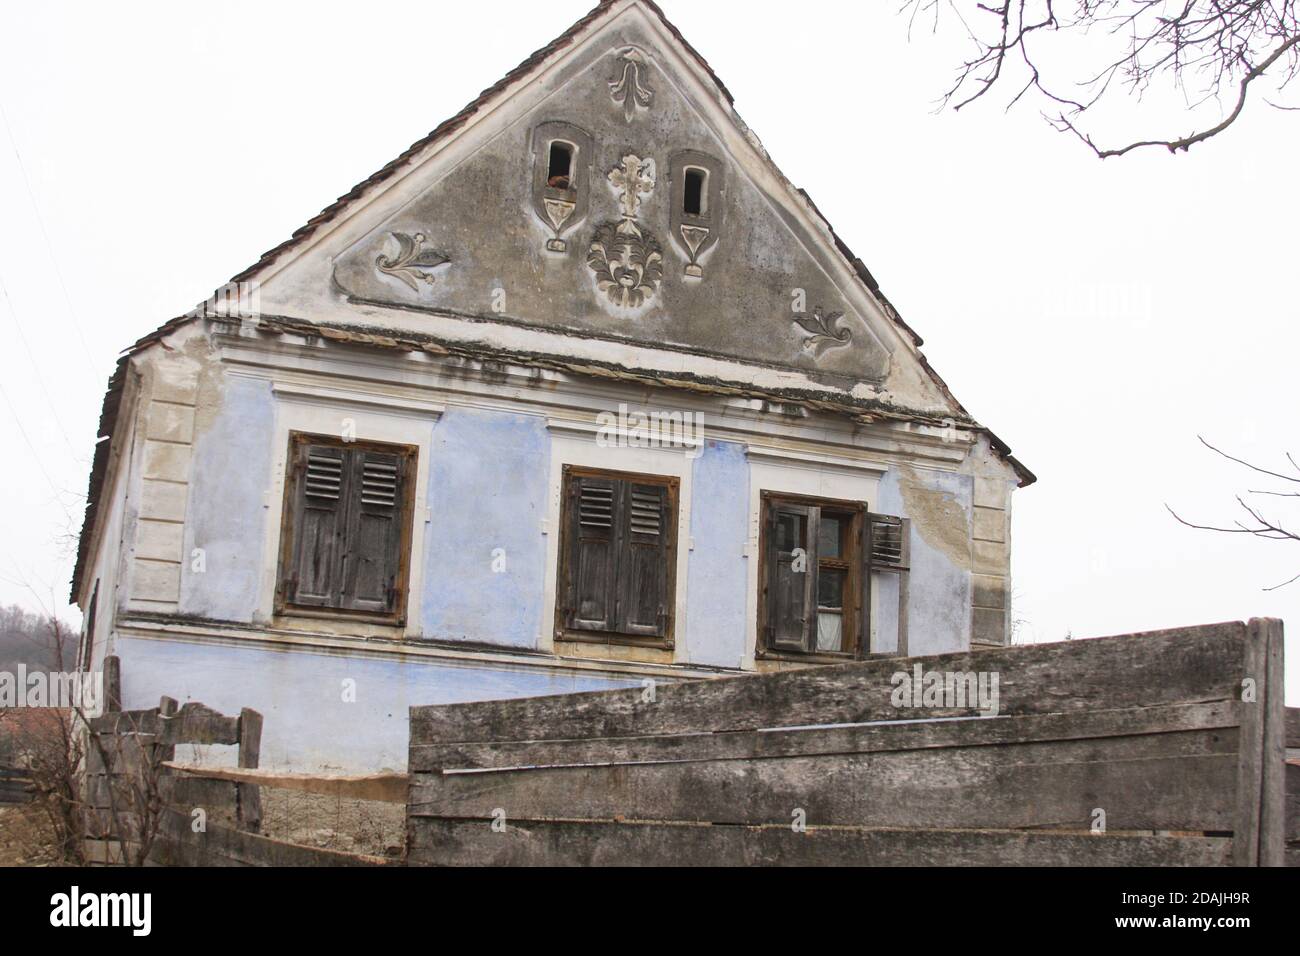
308,725
718,579
487,493
226,518
939,506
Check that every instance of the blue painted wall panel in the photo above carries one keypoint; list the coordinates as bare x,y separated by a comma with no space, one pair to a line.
487,492
718,575
226,517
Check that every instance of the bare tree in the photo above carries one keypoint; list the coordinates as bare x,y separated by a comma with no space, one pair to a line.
1255,523
1202,49
50,743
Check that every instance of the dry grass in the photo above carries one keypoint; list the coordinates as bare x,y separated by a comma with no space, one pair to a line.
332,823
26,838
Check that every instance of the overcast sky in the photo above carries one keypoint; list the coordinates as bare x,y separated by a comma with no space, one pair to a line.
1098,317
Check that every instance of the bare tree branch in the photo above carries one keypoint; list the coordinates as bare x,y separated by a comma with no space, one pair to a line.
1258,526
1204,49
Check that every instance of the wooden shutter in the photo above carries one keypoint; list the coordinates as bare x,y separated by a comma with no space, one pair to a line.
792,576
319,510
348,527
886,542
88,642
372,543
886,549
645,533
592,510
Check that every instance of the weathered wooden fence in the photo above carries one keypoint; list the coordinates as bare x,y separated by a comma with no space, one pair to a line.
138,795
15,785
15,779
1293,787
1156,749
130,792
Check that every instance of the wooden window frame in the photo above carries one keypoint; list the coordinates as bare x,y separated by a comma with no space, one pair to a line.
857,586
565,634
88,638
283,607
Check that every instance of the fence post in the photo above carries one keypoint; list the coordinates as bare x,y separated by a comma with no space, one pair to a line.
1272,817
249,796
1259,836
112,684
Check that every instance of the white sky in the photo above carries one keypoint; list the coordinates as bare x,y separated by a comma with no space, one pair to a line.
1097,316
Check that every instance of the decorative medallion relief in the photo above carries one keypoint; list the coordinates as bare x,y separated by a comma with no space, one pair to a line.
824,332
625,256
629,90
413,264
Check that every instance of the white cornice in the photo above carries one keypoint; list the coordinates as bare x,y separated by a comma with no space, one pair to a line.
794,458
351,398
621,434
425,385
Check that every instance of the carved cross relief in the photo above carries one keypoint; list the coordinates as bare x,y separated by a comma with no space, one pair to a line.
626,258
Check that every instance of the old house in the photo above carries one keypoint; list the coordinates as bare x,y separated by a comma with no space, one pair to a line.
578,392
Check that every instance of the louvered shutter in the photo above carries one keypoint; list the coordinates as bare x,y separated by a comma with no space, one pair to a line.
645,533
372,546
887,544
886,550
321,483
593,508
792,577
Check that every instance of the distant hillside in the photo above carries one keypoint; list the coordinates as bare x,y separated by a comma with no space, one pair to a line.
27,638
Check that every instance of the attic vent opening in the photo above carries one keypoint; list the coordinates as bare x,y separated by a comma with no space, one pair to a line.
559,171
693,194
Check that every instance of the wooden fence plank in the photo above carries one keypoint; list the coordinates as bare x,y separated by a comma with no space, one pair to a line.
1057,785
1251,757
178,845
1293,728
188,792
380,788
829,740
199,725
1196,664
112,684
1272,821
1293,802
474,843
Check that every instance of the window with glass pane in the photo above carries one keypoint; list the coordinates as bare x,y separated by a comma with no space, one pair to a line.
812,582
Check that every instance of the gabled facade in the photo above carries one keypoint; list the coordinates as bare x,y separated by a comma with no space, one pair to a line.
578,393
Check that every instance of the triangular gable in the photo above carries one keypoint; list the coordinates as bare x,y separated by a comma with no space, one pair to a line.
465,226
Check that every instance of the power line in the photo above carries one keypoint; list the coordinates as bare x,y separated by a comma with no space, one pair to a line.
40,378
58,495
49,246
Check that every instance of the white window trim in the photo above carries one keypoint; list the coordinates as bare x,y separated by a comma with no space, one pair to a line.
577,444
783,472
322,412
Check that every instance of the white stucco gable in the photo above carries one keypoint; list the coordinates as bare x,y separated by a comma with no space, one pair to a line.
459,239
